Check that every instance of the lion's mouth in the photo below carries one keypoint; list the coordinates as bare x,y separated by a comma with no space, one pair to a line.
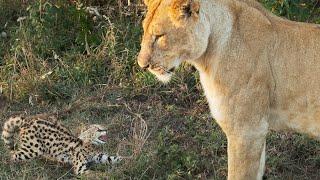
161,70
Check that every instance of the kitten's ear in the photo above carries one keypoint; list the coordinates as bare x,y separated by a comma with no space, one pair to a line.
185,9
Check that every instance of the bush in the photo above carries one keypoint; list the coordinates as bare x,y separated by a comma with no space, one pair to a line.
59,47
298,10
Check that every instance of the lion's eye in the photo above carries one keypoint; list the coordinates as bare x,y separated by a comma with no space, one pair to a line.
158,37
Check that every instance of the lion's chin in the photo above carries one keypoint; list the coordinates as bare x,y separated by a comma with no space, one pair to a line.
165,78
162,76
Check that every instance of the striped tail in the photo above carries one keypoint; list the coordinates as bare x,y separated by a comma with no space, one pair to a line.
103,158
9,128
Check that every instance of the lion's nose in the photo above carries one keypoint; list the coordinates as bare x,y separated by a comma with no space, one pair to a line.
144,60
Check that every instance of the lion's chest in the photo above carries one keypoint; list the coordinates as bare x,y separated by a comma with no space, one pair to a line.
214,97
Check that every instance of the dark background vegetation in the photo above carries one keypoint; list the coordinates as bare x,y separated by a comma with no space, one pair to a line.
59,53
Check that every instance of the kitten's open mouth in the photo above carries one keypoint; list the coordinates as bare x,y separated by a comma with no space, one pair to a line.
103,138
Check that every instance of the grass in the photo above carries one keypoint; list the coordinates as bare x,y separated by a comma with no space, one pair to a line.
60,53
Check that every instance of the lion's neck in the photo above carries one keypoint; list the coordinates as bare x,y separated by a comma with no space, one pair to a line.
221,19
218,66
220,26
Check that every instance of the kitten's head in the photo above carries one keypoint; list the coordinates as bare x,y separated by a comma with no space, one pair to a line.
95,134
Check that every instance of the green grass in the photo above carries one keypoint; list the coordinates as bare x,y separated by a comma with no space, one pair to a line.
60,54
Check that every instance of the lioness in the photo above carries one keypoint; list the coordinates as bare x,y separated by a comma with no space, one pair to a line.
258,71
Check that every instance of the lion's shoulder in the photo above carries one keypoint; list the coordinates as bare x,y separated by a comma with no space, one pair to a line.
253,5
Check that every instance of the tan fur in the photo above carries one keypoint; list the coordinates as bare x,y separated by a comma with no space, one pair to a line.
258,71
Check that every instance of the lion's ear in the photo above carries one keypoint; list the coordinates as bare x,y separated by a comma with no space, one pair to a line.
146,2
183,9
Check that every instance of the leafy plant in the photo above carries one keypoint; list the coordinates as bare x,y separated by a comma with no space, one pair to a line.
299,10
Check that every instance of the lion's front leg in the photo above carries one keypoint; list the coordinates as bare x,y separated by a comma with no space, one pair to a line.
246,156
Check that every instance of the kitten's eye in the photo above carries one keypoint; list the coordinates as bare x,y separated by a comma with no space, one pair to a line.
100,130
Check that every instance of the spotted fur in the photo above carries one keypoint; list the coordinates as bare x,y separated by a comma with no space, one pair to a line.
51,140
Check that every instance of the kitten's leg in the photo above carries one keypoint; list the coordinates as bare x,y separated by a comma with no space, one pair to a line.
23,154
80,163
80,167
29,148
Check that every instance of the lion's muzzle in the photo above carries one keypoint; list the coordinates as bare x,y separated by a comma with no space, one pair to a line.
144,60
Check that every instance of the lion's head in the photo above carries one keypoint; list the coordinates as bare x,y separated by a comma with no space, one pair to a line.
173,33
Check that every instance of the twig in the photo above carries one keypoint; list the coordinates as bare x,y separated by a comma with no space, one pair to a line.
65,174
139,136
